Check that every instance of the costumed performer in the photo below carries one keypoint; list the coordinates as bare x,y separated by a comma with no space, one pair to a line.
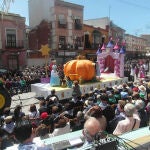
69,82
54,79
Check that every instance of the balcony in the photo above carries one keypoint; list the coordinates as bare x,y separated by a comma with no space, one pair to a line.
70,47
14,44
62,46
62,24
78,26
92,46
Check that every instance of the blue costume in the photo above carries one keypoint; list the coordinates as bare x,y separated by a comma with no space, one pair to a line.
54,79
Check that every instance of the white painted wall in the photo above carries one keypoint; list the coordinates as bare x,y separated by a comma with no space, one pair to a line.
39,10
100,22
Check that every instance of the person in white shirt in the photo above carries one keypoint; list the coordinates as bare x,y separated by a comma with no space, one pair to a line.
131,122
62,126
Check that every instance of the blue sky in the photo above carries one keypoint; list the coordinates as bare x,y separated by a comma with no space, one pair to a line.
131,15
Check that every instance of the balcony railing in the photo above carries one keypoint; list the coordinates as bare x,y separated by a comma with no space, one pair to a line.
62,25
14,44
78,26
70,47
91,46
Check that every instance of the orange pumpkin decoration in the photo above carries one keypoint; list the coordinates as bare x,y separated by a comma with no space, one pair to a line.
79,69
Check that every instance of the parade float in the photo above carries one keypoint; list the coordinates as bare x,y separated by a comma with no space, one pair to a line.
107,71
111,60
80,69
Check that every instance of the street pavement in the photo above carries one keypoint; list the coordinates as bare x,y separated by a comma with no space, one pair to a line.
25,100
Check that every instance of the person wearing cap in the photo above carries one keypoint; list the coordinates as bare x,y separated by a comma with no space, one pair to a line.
131,121
44,115
88,104
142,89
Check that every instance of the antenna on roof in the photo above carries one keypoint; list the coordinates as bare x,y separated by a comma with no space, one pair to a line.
109,33
5,5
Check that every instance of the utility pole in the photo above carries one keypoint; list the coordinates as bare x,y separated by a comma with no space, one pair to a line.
109,23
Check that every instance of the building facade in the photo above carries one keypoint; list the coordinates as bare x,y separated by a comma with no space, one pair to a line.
147,37
12,35
94,37
135,47
66,23
114,31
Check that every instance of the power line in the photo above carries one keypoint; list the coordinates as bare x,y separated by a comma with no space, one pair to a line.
134,4
5,5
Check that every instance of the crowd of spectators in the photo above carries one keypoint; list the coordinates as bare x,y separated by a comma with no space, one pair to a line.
118,109
20,81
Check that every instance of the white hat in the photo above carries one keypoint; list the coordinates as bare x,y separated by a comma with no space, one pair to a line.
115,87
142,88
8,119
120,86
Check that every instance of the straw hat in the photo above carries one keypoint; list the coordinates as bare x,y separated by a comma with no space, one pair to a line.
115,87
122,103
120,87
8,119
142,88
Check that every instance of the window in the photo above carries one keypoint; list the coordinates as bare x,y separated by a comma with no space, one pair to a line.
96,37
77,23
79,41
62,21
11,38
62,42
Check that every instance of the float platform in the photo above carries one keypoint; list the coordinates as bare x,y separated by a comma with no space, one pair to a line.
44,89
